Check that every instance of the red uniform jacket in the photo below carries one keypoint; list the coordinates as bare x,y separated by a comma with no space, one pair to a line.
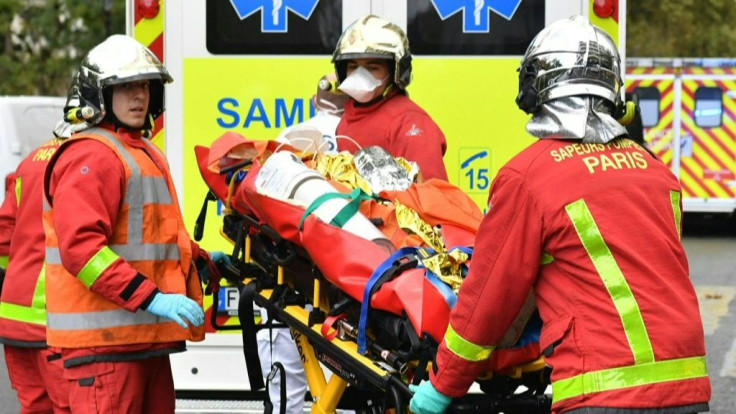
594,231
22,314
399,126
7,219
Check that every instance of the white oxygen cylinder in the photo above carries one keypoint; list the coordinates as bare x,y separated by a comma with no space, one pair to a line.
285,177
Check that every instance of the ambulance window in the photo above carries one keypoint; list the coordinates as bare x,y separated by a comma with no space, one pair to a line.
466,31
649,103
708,107
266,29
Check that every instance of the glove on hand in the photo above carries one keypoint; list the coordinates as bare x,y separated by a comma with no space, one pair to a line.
177,308
427,400
215,261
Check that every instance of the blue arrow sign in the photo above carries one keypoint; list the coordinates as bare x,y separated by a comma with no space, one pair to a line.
274,17
475,12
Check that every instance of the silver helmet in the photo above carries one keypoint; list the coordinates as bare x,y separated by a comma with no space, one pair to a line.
570,57
374,37
119,59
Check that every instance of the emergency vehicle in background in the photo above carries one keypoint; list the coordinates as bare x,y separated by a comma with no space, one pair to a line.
250,66
26,122
688,110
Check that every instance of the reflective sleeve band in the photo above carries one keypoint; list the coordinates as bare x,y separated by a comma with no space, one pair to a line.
675,199
614,281
96,265
4,261
547,259
631,376
464,348
17,190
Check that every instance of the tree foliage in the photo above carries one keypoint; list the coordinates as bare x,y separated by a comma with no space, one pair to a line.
681,28
44,41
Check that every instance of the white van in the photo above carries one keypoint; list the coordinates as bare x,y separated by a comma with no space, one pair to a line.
25,123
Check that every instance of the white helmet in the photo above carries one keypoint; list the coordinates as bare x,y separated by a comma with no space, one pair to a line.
374,37
570,57
119,59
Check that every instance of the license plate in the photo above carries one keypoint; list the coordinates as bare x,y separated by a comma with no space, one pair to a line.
228,298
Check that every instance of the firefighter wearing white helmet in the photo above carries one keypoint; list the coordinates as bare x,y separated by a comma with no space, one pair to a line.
589,222
373,64
123,290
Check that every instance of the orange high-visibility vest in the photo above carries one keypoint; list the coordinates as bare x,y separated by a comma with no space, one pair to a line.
150,235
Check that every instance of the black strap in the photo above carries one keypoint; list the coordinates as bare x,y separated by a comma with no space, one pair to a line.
267,404
199,225
250,344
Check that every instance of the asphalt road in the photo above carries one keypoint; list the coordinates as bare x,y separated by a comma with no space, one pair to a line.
711,248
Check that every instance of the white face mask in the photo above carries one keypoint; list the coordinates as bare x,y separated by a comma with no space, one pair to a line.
360,84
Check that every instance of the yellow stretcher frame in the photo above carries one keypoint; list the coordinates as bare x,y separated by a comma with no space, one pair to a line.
344,359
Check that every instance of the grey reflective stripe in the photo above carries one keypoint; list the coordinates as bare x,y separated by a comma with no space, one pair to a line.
134,191
130,253
146,251
140,191
155,191
52,256
153,146
101,319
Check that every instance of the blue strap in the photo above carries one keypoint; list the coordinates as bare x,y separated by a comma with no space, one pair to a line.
365,306
445,290
532,331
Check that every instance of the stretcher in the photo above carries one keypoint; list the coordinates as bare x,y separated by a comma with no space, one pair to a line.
370,313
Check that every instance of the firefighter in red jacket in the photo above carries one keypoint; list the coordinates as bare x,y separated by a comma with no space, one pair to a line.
373,64
590,222
34,369
122,285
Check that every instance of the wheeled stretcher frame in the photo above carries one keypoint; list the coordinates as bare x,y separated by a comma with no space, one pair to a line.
277,275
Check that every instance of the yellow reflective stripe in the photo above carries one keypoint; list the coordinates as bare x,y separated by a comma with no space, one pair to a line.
36,313
614,281
631,376
96,265
464,348
4,261
675,199
39,294
546,259
17,190
23,313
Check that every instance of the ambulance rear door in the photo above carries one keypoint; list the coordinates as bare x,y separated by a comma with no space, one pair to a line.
658,90
708,160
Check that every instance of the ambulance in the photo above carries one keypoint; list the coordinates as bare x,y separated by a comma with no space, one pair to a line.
688,111
251,66
25,123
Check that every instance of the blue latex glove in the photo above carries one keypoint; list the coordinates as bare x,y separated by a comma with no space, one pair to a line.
177,308
427,400
219,259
